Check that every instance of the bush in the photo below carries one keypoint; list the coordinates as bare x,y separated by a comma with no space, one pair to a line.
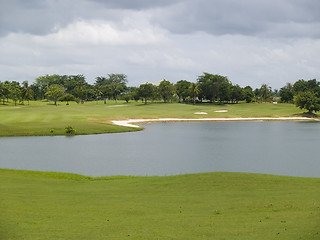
70,130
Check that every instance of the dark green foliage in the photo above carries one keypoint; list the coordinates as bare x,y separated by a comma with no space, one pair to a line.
146,91
182,88
166,90
307,100
209,85
112,86
248,94
54,92
70,130
67,98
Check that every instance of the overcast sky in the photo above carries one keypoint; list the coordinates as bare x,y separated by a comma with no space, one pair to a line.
250,41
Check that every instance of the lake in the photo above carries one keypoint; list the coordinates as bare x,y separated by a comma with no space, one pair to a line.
281,148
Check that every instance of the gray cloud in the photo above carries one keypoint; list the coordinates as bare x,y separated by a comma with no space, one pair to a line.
271,18
266,18
250,41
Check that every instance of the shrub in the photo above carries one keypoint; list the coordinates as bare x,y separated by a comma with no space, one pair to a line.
70,130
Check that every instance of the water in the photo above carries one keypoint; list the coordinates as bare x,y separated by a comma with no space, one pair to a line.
281,148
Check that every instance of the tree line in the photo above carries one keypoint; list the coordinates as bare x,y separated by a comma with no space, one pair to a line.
207,88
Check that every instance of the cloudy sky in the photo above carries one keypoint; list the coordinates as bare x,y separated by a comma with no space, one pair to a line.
250,41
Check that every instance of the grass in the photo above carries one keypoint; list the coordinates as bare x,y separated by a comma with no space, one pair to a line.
43,118
38,205
42,205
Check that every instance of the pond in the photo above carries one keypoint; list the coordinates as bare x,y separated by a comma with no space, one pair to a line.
281,148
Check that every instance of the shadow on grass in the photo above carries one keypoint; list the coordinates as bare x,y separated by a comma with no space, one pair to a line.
308,115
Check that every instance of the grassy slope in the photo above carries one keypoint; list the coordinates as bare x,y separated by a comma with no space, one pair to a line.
39,118
199,206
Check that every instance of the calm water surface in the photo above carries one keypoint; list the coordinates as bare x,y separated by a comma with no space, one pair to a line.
282,148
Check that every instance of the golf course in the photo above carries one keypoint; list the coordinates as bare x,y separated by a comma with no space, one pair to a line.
218,205
43,118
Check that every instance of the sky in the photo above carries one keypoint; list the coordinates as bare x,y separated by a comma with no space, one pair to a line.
252,42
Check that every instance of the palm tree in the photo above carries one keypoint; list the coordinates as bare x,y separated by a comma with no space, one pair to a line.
194,90
265,92
26,91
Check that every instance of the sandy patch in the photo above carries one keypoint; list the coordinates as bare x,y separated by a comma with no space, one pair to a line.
221,111
129,122
201,113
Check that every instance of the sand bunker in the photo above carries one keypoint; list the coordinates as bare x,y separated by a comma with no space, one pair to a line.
201,113
129,122
221,111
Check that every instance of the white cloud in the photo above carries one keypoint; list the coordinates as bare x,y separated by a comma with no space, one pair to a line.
101,33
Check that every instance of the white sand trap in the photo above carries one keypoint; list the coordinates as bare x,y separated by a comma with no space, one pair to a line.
221,111
201,113
129,122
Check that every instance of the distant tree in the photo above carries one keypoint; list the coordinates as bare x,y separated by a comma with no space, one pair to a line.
257,94
113,85
67,98
166,90
236,93
248,94
27,92
209,85
286,93
225,91
194,91
265,92
97,92
182,89
146,91
15,93
6,90
2,96
54,92
43,82
303,86
307,100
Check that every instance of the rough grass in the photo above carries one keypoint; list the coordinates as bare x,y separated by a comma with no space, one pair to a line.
38,205
43,118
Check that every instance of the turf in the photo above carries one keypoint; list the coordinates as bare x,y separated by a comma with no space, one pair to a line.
38,205
43,118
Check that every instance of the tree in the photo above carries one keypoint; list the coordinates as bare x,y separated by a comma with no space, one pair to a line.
194,91
265,92
67,97
307,100
236,93
54,92
27,92
146,91
225,91
166,90
77,86
209,85
15,92
248,94
2,96
182,89
286,93
112,86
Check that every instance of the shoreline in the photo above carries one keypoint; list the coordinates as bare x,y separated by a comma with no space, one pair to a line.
130,122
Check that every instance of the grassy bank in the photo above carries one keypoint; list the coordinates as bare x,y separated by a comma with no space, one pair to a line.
38,205
43,118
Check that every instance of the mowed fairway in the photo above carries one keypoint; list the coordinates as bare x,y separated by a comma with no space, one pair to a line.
43,118
199,206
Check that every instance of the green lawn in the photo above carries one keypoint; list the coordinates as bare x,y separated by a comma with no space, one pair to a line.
43,118
38,205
